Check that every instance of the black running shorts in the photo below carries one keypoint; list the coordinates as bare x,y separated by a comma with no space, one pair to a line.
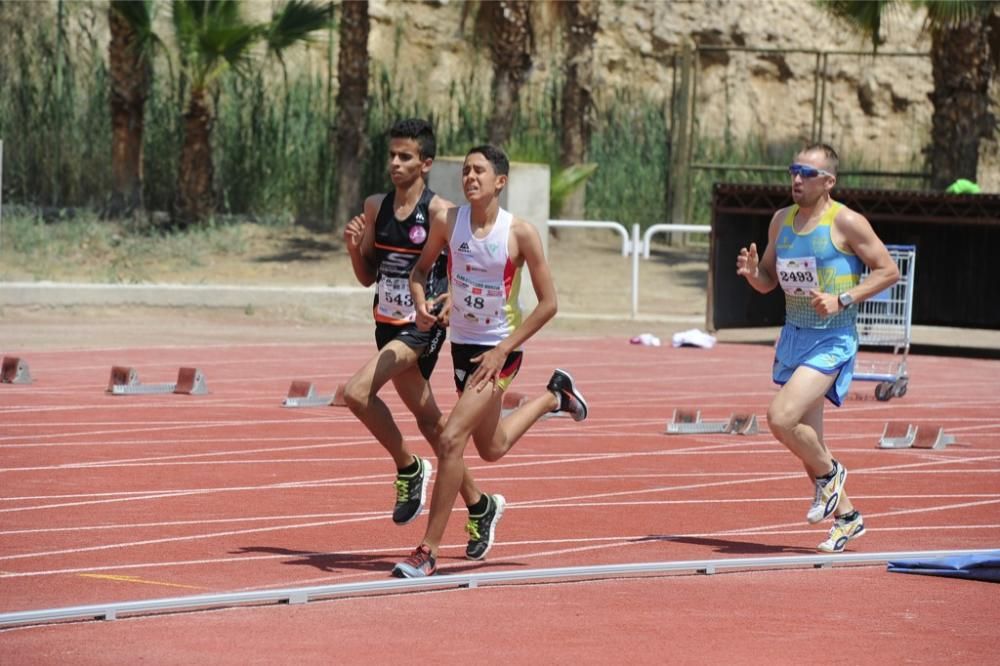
462,355
429,341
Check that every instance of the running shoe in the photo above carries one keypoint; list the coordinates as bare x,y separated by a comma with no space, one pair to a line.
842,532
411,493
483,527
828,492
419,564
570,399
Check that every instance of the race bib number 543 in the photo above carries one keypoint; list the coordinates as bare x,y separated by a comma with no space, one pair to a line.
394,298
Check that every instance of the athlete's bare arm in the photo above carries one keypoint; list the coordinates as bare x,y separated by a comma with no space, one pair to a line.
440,206
442,221
761,272
359,237
861,238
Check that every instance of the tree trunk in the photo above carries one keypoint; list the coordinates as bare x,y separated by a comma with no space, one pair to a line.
350,144
130,76
195,190
580,22
962,68
507,24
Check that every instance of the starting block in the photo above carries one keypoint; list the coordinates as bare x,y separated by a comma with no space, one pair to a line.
303,394
14,371
688,422
125,381
903,435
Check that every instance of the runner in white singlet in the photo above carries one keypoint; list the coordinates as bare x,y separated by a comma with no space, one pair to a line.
488,247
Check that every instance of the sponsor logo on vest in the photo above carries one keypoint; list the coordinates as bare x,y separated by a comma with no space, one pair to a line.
417,235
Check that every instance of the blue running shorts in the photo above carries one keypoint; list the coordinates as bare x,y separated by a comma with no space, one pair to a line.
831,351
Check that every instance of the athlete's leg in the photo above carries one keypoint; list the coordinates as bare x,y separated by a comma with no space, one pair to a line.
494,436
795,418
472,406
361,396
416,394
814,419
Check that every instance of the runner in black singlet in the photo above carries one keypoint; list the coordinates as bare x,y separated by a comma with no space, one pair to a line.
385,242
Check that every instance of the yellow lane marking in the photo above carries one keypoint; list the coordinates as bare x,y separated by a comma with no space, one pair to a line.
136,579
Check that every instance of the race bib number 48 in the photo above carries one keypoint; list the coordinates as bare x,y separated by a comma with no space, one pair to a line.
797,275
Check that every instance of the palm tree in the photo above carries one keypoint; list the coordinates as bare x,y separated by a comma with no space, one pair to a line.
580,20
350,145
213,37
963,61
508,30
130,72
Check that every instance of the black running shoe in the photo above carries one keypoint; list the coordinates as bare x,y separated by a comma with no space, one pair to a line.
411,493
481,528
419,564
570,399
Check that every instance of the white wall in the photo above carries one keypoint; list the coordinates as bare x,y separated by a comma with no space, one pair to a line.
526,196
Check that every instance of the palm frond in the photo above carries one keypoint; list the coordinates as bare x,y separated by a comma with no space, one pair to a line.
139,14
953,13
566,181
865,16
296,22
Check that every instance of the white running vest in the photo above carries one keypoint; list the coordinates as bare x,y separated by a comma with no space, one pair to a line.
485,284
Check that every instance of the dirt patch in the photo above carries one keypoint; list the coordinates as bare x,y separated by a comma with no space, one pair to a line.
593,281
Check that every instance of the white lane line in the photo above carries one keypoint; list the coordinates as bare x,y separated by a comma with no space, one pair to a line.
597,543
380,516
193,537
900,512
187,426
895,469
773,477
520,505
165,442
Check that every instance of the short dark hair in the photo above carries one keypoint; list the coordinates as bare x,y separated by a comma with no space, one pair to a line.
420,131
493,155
832,160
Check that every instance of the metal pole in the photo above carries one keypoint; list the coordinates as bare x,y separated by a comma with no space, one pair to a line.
1,194
636,251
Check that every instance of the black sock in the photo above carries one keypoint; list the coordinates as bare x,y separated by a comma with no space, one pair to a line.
833,473
412,469
849,516
480,507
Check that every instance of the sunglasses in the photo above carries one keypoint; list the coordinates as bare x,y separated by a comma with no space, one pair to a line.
806,171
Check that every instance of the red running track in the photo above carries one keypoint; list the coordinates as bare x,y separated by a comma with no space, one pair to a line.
116,498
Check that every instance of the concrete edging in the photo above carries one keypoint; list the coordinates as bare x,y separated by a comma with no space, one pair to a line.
179,295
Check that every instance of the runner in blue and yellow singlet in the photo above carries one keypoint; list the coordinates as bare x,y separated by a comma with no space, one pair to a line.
816,251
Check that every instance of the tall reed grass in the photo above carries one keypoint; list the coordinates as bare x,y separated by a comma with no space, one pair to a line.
271,139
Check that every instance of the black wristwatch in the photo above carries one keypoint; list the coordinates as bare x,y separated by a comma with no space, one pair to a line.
846,300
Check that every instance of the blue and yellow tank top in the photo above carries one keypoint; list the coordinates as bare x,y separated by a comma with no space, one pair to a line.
812,261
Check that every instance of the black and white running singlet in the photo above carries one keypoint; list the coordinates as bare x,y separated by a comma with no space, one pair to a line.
397,247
